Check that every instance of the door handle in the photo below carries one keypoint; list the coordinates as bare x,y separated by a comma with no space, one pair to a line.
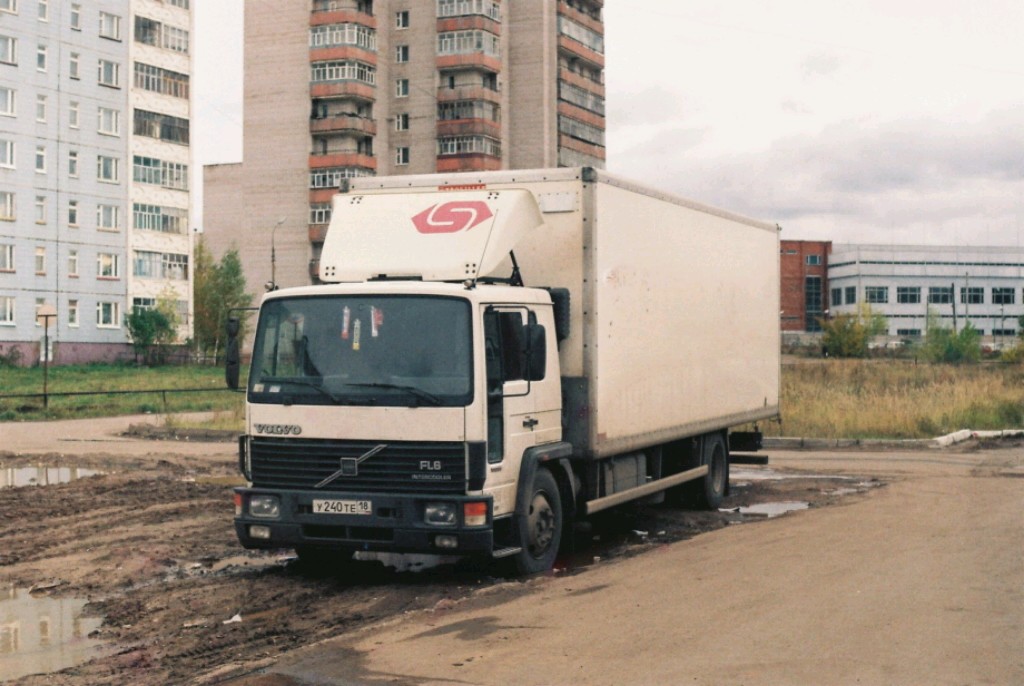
530,422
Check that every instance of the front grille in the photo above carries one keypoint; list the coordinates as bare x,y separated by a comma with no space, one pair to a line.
300,464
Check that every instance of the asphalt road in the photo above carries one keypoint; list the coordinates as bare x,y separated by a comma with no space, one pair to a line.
919,582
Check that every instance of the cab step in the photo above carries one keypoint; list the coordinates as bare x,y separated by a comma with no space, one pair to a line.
506,552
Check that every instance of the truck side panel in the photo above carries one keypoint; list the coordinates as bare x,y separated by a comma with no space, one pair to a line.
683,333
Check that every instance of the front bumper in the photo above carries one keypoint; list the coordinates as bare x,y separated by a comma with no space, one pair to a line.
395,524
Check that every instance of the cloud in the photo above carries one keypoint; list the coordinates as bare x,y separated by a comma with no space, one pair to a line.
649,106
862,181
820,64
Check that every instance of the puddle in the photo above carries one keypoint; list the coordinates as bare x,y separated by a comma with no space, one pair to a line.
16,477
772,509
40,635
770,475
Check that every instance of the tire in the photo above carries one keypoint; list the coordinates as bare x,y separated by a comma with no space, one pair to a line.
713,486
540,526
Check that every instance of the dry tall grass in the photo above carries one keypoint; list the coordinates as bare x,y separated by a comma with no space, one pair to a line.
897,399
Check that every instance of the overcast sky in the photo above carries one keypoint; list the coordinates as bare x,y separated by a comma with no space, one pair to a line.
889,121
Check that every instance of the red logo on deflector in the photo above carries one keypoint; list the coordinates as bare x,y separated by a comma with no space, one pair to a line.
450,217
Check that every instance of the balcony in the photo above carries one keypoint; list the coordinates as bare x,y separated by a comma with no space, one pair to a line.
581,18
565,141
468,127
314,270
471,60
468,162
356,90
469,23
581,81
339,16
343,52
577,50
319,160
343,123
579,114
317,233
469,92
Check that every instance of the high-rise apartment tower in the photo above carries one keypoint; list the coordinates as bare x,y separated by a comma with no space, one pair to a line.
342,88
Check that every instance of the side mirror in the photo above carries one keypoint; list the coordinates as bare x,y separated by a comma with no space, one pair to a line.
232,358
536,352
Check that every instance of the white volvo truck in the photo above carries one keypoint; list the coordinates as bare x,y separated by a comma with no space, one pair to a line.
493,355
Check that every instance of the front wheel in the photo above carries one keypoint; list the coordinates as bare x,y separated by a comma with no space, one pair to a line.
540,526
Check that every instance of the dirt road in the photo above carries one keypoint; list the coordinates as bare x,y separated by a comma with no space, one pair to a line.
905,569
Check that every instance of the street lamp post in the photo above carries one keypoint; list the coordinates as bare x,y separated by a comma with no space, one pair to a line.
46,312
272,285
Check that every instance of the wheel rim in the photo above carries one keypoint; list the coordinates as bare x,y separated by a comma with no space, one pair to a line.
541,522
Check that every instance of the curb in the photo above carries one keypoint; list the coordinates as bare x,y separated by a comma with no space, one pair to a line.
795,443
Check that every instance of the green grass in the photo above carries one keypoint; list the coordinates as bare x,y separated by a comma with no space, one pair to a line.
107,377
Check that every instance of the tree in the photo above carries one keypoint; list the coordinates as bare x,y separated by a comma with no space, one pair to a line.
848,335
946,345
149,329
219,288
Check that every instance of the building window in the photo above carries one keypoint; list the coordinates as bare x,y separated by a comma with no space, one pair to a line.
6,310
40,159
160,172
7,101
402,156
335,35
908,295
73,67
109,121
402,19
40,209
581,97
580,131
178,3
110,26
109,74
468,42
581,34
72,263
158,80
813,303
107,169
41,108
1004,296
940,295
7,154
108,217
8,209
462,145
151,32
836,297
401,88
108,315
76,17
876,295
40,260
44,10
108,266
41,55
154,265
163,127
320,213
157,218
401,53
402,122
9,6
73,164
72,213
913,333
73,110
8,50
343,70
331,177
467,109
972,295
813,260
73,314
460,8
6,258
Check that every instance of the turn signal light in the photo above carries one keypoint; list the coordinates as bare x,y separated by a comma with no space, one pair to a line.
474,514
238,504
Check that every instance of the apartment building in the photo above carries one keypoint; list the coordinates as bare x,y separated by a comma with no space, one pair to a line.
79,124
336,89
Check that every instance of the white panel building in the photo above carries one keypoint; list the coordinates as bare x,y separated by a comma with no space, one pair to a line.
982,285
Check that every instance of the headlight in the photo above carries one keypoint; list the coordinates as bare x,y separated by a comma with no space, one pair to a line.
266,506
440,514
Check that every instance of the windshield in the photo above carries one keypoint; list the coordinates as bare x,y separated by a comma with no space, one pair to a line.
363,350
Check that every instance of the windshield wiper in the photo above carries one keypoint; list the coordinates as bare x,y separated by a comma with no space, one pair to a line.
418,392
309,383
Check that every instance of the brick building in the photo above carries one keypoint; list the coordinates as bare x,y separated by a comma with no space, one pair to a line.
804,283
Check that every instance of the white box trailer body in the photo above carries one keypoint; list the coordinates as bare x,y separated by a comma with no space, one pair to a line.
674,305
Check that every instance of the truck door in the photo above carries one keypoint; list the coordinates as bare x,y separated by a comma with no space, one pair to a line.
510,404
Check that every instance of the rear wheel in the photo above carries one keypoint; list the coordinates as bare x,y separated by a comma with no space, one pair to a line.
540,526
713,486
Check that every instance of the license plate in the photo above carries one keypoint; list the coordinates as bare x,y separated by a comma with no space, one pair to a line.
343,507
